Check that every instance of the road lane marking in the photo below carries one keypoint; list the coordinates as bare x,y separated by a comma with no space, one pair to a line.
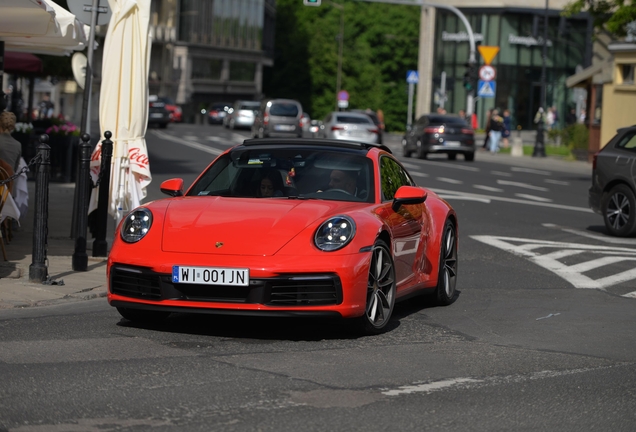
533,197
501,173
187,143
464,197
573,274
522,185
430,387
488,198
449,180
603,238
410,165
418,174
488,188
557,182
451,165
530,170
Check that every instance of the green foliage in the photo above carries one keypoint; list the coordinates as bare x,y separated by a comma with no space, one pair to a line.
380,45
576,136
610,15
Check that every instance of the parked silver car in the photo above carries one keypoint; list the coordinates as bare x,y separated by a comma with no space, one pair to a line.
278,117
242,114
349,126
613,191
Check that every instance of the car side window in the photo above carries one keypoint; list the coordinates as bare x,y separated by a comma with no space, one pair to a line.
392,177
628,142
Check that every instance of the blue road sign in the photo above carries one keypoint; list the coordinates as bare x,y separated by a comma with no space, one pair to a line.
412,77
486,89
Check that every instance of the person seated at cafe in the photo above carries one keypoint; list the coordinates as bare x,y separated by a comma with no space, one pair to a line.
10,148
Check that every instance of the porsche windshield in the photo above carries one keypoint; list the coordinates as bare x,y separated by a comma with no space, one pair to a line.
290,173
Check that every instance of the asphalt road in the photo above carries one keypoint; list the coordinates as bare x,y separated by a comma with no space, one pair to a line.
541,336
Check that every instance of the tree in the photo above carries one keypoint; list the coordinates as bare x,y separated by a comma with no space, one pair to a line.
610,15
380,45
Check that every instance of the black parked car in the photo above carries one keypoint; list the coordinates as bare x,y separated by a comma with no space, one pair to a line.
613,191
158,113
436,133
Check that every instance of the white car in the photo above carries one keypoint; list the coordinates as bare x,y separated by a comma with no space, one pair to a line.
350,126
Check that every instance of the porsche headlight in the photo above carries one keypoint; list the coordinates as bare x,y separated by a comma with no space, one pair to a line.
136,225
335,233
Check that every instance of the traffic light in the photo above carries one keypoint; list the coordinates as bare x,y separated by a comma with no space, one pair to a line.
470,76
311,2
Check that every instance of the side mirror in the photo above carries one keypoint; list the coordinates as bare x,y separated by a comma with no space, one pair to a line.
172,187
406,195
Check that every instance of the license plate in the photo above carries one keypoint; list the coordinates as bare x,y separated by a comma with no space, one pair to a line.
210,275
453,143
284,127
156,115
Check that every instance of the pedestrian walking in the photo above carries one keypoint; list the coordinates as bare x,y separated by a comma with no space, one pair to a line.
488,115
496,127
507,125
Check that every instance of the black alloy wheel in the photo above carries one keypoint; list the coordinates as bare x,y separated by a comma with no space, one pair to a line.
619,211
447,276
381,288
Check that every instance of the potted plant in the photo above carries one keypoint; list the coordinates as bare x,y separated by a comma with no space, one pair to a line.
577,138
63,138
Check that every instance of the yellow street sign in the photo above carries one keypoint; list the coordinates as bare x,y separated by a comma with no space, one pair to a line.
488,53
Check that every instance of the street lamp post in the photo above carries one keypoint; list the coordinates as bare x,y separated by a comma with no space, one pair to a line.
539,144
340,48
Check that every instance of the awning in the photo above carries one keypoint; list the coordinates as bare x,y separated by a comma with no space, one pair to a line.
21,63
581,78
40,27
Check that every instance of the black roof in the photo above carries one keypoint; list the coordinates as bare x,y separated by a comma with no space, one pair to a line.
315,142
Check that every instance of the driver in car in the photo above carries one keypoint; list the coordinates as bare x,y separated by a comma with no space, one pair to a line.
343,180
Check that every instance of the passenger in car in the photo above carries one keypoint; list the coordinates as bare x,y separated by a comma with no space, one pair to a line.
269,185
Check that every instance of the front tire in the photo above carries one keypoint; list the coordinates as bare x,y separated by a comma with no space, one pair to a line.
141,316
405,151
421,153
381,289
619,211
447,275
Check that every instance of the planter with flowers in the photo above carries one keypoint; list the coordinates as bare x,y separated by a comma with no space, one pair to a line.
63,140
24,134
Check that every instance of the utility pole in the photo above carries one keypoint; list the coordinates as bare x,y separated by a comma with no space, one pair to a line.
539,144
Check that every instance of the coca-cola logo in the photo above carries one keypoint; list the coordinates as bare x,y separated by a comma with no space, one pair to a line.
137,157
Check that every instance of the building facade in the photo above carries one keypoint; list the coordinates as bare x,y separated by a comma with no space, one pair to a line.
210,51
517,28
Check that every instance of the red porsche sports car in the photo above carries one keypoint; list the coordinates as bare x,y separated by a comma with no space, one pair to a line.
287,227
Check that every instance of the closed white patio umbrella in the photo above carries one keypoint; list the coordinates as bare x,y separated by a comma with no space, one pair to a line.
40,27
123,105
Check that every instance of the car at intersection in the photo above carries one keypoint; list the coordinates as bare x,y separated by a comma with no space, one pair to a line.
287,227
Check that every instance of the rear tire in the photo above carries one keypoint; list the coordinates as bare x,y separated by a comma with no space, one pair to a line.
405,151
619,211
142,316
445,292
452,156
421,153
469,157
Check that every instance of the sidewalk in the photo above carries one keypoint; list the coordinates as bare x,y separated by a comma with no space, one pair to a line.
67,285
64,284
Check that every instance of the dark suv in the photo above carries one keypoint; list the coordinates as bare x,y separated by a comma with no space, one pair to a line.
278,117
613,191
436,133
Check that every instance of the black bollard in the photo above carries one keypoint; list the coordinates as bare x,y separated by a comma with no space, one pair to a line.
38,270
100,245
539,143
80,258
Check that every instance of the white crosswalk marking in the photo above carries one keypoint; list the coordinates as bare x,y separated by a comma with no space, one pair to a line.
501,173
573,273
529,170
488,188
533,197
557,182
449,180
521,185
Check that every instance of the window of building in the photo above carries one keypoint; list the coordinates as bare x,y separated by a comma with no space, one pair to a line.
203,68
627,74
242,71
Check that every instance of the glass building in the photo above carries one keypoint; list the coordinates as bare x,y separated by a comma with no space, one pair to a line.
519,35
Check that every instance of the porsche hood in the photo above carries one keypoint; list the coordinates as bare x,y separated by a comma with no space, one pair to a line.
236,226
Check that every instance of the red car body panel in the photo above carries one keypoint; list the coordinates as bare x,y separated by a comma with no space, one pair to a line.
275,237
